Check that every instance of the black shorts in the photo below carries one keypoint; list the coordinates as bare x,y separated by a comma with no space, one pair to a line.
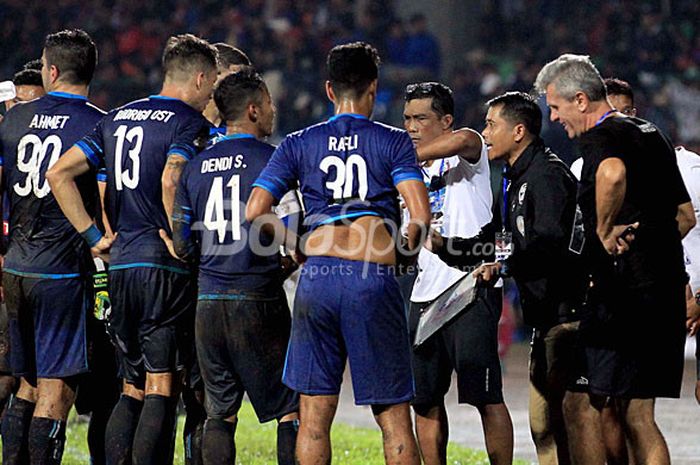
151,320
98,389
5,368
467,345
557,363
635,340
241,347
47,319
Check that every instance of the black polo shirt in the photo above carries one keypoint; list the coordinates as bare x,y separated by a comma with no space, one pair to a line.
654,191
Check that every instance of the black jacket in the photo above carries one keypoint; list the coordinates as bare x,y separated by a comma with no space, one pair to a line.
547,231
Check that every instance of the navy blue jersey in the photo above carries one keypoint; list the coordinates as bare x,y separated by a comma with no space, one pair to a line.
346,167
42,242
210,201
132,144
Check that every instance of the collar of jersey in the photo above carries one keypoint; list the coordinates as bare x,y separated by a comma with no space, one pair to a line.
351,115
67,95
240,135
163,97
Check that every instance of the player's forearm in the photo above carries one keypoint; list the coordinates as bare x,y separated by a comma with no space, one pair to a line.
685,218
464,142
610,189
169,181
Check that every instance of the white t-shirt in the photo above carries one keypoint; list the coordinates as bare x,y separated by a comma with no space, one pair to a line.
460,209
689,166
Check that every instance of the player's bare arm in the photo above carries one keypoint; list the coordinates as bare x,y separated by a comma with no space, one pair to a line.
464,142
415,196
685,218
169,180
102,189
611,185
258,211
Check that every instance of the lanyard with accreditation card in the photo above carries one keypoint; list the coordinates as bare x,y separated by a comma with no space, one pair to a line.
504,239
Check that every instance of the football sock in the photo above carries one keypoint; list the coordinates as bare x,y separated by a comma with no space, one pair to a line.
286,441
194,428
120,430
155,431
46,440
15,432
218,445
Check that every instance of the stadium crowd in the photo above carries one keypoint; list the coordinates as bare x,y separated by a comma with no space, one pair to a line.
194,220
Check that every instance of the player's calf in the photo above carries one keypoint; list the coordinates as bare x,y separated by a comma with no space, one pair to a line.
399,443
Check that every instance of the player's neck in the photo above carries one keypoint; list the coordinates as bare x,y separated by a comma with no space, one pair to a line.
243,127
70,89
598,112
361,106
519,150
175,91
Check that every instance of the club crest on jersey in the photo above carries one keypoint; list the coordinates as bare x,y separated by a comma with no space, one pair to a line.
521,193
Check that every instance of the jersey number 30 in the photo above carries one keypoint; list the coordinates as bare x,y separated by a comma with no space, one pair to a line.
214,218
342,185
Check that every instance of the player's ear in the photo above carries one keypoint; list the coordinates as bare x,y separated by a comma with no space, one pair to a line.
329,92
372,90
54,73
252,112
447,121
518,132
199,81
581,100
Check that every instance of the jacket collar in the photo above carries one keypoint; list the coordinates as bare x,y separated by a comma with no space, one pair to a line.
525,159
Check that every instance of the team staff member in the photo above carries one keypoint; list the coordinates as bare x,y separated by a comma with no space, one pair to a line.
540,213
348,304
635,257
243,322
144,146
456,170
48,266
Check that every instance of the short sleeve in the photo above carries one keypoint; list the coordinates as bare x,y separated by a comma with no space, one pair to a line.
404,163
92,145
281,173
186,143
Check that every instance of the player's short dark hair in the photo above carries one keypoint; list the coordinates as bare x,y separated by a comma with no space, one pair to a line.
186,53
33,64
615,86
352,67
236,91
442,102
519,108
73,53
27,77
230,56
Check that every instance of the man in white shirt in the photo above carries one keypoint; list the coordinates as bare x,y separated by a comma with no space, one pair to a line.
456,170
689,166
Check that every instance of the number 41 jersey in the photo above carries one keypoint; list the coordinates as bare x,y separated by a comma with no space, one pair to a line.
33,136
133,144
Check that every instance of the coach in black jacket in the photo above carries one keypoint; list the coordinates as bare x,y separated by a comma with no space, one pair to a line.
542,223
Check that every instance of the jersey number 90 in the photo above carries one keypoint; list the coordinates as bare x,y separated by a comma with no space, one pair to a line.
31,153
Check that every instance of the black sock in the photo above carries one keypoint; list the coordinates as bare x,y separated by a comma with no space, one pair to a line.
155,431
120,430
194,428
218,445
15,432
286,441
96,435
46,440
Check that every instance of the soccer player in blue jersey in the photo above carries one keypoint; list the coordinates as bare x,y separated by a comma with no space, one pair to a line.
348,304
48,265
144,146
243,322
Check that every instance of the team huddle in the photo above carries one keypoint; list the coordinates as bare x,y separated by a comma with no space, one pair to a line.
198,222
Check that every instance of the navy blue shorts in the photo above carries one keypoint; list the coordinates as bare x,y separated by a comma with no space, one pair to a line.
351,310
152,320
47,325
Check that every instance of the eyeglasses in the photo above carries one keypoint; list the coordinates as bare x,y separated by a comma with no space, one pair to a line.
426,88
630,111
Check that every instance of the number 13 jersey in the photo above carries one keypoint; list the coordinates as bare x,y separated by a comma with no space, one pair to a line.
42,242
346,167
133,144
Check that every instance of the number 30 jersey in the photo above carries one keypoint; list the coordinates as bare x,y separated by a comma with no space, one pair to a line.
346,167
210,205
42,242
132,143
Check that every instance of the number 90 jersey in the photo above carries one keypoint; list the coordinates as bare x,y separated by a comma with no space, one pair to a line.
33,136
346,167
133,144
